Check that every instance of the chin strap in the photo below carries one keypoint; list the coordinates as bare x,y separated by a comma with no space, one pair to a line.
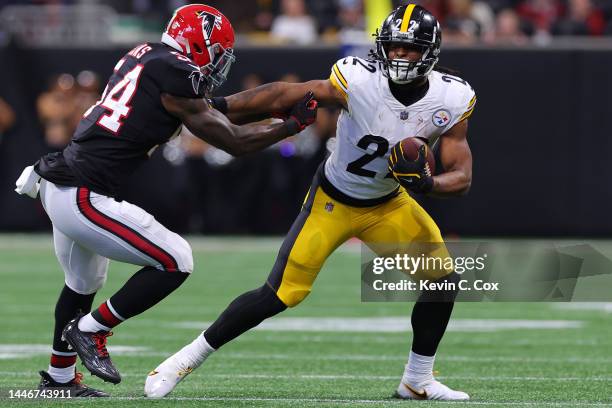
403,82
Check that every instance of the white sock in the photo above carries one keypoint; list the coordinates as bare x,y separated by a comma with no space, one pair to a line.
91,325
419,369
62,375
197,351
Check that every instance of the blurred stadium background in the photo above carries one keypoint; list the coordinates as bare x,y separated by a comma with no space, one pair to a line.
541,140
540,135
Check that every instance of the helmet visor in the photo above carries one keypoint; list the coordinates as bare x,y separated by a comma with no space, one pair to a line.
218,69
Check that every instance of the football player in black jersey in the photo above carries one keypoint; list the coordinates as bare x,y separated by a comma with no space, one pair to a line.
154,90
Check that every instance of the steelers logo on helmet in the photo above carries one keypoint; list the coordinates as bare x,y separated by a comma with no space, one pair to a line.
416,28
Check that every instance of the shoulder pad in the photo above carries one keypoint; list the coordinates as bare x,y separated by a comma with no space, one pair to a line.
349,73
460,97
179,76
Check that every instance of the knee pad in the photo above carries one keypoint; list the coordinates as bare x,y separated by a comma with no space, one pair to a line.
184,255
292,296
85,285
89,278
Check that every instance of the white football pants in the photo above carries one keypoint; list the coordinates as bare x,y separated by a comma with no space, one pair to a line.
89,229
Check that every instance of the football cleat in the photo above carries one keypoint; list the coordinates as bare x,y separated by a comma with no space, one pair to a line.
429,390
91,348
161,381
77,388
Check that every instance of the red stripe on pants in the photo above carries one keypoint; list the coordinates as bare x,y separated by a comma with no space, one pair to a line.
123,232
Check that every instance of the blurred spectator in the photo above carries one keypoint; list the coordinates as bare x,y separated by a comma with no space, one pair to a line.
55,111
541,14
325,13
61,107
87,94
192,145
265,15
290,77
294,25
251,81
582,18
508,29
7,117
467,21
500,5
352,23
438,8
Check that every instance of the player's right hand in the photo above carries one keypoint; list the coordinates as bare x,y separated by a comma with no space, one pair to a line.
303,113
412,175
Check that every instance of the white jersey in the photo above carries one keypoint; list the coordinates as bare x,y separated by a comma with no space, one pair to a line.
375,121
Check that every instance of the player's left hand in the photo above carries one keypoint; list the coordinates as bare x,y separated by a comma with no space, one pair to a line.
412,175
303,113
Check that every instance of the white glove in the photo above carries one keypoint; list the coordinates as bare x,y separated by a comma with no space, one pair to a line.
28,183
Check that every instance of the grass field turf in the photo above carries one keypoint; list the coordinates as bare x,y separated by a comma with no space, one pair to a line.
570,367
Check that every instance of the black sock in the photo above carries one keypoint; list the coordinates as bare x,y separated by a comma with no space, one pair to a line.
430,316
244,313
68,304
144,289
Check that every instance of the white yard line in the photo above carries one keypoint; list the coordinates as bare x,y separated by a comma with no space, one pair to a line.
13,351
204,374
387,357
605,307
394,324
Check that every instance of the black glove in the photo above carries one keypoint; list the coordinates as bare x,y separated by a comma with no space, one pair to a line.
303,114
412,175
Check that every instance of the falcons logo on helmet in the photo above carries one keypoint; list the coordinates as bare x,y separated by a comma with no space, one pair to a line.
209,23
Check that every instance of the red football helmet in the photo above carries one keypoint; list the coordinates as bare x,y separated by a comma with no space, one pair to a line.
205,36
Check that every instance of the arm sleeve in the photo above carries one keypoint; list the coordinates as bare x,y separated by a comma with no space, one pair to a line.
348,76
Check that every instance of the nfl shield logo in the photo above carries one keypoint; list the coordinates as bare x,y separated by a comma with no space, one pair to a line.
404,115
329,206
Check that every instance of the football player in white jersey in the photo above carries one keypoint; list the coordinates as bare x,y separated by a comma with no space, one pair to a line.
357,191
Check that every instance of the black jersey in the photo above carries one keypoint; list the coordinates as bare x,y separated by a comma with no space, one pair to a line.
117,134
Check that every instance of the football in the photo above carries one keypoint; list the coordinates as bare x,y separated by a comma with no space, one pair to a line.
410,148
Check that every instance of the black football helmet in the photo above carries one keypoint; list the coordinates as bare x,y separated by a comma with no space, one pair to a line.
413,25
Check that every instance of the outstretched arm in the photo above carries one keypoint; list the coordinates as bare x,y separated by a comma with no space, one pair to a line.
456,158
214,128
279,97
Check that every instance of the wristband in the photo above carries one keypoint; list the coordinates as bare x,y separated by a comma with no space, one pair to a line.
426,185
219,103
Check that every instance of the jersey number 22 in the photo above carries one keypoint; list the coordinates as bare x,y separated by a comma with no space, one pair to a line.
356,166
